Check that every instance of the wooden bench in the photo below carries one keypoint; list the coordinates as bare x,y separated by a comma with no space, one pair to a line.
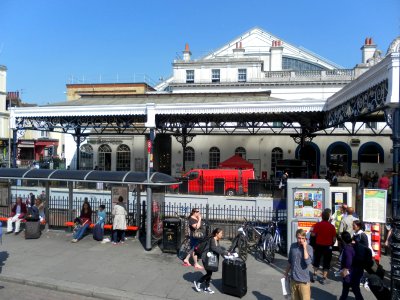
106,226
43,222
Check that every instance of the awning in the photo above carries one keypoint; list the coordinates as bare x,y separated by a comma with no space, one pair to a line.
156,178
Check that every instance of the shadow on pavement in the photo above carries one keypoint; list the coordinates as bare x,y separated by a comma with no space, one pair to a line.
3,257
318,293
260,296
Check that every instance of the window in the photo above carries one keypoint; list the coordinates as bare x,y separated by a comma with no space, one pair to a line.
44,134
298,65
241,152
371,125
189,76
189,154
86,157
215,76
242,75
214,158
276,154
104,158
123,158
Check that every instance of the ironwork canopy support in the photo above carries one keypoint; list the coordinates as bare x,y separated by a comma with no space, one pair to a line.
79,138
393,120
184,138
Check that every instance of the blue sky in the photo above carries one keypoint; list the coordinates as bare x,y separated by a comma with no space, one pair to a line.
46,44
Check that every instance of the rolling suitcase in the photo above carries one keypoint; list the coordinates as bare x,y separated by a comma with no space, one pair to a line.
32,229
234,277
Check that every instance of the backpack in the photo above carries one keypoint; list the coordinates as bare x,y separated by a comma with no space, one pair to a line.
201,247
362,257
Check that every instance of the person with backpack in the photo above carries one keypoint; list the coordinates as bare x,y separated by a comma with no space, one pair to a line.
212,248
350,269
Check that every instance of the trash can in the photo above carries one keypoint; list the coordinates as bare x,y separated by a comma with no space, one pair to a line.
172,235
219,186
254,188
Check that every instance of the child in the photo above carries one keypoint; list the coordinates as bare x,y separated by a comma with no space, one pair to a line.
77,226
101,215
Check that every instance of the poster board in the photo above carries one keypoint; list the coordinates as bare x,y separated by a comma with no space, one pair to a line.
341,195
374,205
308,203
117,191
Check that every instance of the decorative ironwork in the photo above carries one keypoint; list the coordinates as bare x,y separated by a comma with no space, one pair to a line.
302,139
363,104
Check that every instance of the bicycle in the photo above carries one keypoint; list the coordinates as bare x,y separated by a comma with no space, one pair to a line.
272,241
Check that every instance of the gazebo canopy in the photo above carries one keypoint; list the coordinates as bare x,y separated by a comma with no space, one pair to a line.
236,162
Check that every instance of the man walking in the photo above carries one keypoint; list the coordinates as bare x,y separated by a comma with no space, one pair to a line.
300,257
347,222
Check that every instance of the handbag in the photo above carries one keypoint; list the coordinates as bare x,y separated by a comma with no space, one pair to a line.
198,234
211,262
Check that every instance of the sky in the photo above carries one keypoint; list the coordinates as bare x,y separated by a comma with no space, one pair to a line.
46,44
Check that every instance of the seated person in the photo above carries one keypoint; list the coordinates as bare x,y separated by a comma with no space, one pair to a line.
18,212
85,220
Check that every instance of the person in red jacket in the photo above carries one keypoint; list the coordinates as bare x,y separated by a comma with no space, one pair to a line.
384,182
325,234
18,212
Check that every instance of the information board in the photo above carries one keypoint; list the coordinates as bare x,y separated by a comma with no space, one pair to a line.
374,205
307,203
340,195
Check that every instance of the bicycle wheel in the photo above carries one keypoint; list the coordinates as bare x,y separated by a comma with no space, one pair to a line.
243,248
269,248
234,244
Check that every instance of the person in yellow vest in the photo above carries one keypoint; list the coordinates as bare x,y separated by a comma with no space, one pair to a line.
337,217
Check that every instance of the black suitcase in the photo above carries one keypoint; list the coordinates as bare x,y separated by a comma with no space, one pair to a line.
234,277
32,230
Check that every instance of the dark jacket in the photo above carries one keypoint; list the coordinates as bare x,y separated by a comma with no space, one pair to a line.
23,211
215,248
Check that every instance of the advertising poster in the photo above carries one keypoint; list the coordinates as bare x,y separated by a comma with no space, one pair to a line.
308,203
339,196
117,191
374,205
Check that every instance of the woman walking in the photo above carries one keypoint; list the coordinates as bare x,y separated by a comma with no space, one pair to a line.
119,223
194,221
215,248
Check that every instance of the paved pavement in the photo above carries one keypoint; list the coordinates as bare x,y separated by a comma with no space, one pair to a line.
107,271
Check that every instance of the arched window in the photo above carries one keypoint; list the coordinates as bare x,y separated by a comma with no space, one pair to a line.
371,152
190,156
214,158
276,154
241,152
86,157
104,158
123,158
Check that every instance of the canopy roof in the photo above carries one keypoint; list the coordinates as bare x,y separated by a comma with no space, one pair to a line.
156,178
236,162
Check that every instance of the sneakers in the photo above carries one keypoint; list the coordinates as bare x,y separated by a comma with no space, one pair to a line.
74,241
208,290
322,280
366,286
197,286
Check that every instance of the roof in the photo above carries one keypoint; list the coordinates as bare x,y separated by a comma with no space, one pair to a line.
156,178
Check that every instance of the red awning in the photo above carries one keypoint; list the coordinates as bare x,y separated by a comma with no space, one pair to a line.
46,143
236,162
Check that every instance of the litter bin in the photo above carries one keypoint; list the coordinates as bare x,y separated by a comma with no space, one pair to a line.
219,186
254,188
172,235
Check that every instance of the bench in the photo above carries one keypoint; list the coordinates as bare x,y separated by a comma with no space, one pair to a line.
43,222
106,226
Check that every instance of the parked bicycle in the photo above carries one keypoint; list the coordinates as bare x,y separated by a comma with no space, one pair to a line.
254,239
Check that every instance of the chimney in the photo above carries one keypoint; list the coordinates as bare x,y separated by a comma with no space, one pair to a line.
186,53
238,52
276,51
367,50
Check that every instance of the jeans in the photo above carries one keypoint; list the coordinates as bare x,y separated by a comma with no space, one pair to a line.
81,231
118,236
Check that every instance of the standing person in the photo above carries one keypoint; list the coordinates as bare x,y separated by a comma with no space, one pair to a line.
359,235
194,221
384,182
325,234
214,247
101,215
119,223
18,212
300,257
347,222
350,272
85,218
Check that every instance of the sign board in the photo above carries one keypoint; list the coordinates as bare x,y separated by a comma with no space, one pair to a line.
117,191
374,205
341,195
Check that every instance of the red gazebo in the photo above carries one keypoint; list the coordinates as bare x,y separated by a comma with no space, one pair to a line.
236,162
